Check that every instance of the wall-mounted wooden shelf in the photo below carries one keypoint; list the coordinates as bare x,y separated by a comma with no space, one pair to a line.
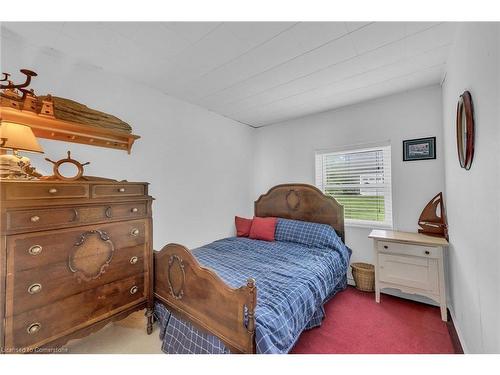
50,128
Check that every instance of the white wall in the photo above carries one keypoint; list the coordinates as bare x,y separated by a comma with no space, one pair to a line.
473,196
199,164
285,152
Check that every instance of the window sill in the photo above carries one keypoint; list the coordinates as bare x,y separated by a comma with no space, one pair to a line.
368,225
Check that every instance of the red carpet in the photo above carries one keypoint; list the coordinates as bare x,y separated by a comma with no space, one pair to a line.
355,324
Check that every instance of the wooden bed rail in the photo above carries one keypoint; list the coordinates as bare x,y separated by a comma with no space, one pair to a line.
197,294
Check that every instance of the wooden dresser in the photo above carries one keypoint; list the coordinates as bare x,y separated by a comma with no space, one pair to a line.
412,263
73,257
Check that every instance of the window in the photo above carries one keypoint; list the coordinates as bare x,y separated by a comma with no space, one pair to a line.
360,180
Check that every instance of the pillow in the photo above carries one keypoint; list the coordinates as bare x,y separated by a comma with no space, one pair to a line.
242,226
307,233
263,228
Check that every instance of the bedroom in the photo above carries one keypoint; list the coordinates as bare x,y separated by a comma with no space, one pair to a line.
284,114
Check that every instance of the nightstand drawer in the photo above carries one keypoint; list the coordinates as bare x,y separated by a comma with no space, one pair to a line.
407,249
410,271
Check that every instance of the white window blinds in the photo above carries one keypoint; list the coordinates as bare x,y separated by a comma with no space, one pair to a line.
360,180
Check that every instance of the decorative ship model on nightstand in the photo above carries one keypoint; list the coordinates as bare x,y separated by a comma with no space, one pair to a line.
432,223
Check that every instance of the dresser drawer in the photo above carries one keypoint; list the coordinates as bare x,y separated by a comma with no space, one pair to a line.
44,324
407,249
41,286
45,191
414,272
126,211
118,190
26,251
41,218
37,219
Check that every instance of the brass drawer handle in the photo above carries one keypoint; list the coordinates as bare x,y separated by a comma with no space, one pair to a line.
134,290
76,216
133,260
52,190
35,250
134,232
121,190
134,210
34,328
108,212
35,288
35,219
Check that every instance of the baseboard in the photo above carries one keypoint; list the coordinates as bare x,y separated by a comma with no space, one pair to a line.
456,335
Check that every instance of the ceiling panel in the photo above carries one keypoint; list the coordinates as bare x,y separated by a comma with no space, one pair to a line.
395,85
310,98
216,49
377,35
347,74
193,31
291,42
334,52
262,40
257,73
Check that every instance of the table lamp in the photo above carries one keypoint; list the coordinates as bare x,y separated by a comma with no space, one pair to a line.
16,137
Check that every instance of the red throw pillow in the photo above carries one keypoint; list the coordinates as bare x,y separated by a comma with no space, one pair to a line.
242,226
263,228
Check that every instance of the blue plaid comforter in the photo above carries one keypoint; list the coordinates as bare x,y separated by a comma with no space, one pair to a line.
295,276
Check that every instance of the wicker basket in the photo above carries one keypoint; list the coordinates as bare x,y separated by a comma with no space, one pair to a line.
364,276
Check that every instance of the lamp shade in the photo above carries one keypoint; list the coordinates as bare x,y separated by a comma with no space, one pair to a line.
18,137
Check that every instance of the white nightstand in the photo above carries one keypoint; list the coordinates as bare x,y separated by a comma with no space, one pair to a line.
412,263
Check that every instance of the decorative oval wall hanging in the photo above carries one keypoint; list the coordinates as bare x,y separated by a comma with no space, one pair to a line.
465,130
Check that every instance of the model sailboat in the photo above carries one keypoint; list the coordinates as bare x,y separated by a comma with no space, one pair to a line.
432,220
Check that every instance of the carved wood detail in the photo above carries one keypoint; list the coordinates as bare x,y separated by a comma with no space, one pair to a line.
60,342
301,202
91,255
176,276
208,302
292,200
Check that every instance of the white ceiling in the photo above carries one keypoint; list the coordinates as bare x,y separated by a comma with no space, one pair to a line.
257,73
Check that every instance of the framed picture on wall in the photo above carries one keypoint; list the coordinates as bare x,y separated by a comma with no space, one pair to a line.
419,149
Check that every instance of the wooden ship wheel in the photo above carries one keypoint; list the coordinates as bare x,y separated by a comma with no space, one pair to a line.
77,176
58,175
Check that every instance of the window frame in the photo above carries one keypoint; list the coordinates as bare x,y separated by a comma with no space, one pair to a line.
384,146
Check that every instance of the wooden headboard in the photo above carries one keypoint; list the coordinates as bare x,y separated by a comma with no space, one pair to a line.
301,202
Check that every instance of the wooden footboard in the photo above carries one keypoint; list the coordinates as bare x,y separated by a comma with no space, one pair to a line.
198,295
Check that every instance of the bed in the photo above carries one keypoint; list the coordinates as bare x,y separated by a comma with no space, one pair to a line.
240,295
